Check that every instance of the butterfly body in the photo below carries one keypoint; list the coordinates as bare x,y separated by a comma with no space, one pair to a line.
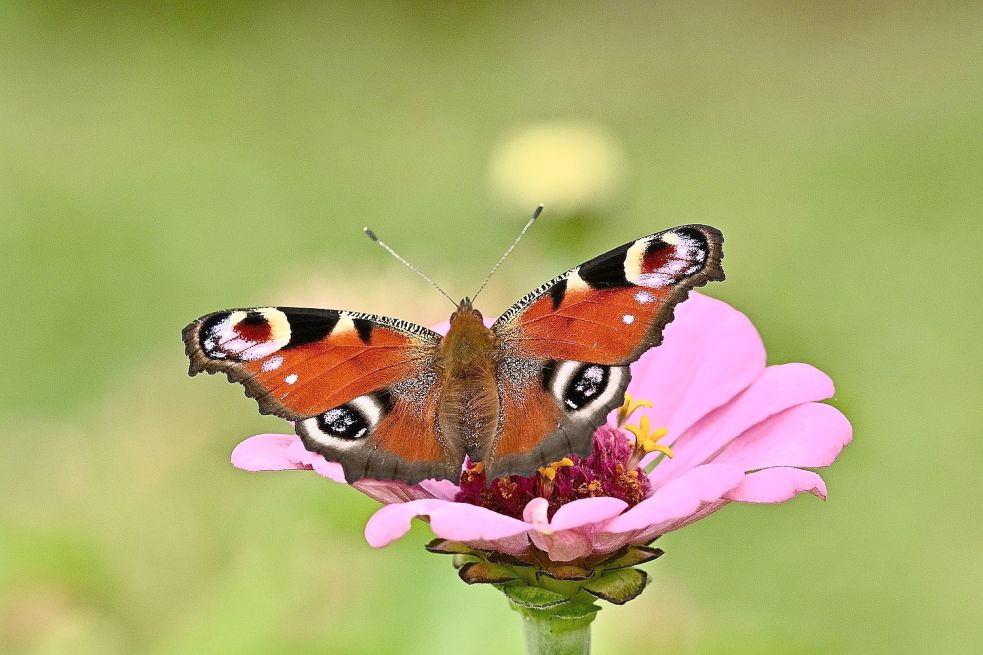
392,400
469,401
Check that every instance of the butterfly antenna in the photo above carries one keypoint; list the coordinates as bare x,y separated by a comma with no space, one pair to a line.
535,215
370,234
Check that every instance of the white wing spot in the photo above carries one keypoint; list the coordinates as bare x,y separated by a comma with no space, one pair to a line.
272,364
628,319
644,297
290,379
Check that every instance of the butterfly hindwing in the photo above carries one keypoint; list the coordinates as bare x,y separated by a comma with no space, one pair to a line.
580,331
360,388
552,414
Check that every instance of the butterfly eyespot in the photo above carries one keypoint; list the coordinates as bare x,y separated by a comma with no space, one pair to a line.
343,422
586,385
578,386
348,423
243,336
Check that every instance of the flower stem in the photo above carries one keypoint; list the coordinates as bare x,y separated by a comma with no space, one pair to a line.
546,635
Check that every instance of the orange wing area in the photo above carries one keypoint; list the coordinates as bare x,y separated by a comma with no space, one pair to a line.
322,375
591,325
528,414
536,430
300,362
403,446
613,308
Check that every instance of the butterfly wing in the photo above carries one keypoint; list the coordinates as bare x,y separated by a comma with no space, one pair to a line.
361,389
565,347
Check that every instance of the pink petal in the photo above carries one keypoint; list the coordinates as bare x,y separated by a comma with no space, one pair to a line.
280,452
808,435
678,499
440,489
563,546
264,452
777,389
391,491
776,485
449,520
570,534
711,352
586,511
534,513
316,461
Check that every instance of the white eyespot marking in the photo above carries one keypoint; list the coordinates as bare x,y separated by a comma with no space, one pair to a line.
343,427
272,364
370,408
628,319
634,258
290,379
581,388
686,258
575,282
616,375
561,378
644,297
247,335
209,346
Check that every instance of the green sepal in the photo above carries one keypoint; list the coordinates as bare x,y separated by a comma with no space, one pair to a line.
575,612
634,556
566,572
531,597
486,573
447,547
617,587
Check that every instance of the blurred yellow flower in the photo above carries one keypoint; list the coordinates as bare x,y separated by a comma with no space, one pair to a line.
571,166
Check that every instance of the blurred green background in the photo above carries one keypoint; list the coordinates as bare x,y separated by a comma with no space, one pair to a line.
160,162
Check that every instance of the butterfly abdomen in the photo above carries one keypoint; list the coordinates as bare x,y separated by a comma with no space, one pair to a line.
468,413
469,403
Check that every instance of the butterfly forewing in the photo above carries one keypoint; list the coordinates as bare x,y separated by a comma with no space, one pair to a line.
574,336
360,388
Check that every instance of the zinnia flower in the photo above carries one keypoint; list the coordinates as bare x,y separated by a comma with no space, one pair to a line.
727,428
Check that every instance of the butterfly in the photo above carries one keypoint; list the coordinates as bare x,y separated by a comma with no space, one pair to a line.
392,400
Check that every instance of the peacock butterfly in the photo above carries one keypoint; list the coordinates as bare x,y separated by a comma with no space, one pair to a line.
392,400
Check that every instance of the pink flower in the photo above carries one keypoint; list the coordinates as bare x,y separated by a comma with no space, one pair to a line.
738,431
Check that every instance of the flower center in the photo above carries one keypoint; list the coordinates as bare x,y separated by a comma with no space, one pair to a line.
610,470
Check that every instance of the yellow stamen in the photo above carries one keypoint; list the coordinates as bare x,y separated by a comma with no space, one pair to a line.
629,408
549,472
647,439
477,467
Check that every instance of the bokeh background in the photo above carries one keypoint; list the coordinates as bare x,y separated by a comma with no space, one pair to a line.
158,162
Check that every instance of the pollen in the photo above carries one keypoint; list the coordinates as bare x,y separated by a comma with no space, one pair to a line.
591,489
549,472
630,407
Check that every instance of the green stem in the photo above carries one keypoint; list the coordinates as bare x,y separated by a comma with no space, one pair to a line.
547,635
